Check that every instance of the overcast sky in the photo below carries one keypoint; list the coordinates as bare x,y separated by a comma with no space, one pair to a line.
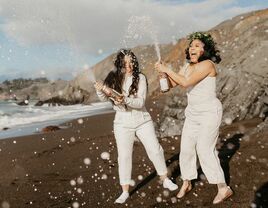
56,38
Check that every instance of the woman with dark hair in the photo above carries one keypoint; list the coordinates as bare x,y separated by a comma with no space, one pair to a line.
203,114
132,119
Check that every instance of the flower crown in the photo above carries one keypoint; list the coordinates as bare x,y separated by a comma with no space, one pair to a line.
206,38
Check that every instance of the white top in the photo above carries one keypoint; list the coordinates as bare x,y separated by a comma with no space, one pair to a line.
133,102
204,91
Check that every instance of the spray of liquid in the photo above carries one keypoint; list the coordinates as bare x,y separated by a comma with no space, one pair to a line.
141,27
89,73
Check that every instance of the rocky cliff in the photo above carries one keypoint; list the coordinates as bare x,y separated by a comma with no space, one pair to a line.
36,89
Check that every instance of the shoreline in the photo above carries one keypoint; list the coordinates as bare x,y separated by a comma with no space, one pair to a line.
61,124
36,128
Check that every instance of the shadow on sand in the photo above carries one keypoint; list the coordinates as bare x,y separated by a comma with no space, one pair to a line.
226,152
261,197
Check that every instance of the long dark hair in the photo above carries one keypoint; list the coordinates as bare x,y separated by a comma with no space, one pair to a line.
115,78
210,51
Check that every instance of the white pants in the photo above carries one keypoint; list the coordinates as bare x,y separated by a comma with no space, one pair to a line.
199,137
127,125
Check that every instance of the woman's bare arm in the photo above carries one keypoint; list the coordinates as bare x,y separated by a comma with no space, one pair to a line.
202,70
172,82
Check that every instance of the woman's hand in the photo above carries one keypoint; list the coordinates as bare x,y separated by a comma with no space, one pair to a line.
118,100
98,85
160,67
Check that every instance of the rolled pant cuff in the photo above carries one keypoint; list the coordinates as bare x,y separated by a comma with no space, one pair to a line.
216,182
122,183
162,173
188,178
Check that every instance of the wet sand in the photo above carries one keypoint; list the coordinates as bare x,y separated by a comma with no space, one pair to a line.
37,170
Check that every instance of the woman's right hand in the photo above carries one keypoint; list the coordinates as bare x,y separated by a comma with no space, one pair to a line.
160,67
98,85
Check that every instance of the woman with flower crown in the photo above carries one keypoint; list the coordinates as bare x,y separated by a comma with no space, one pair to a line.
203,114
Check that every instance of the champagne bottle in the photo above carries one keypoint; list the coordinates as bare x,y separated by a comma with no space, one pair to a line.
107,90
111,93
164,82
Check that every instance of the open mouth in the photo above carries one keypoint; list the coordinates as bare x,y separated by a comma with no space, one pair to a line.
193,54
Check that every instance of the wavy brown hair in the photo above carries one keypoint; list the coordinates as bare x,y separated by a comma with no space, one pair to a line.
115,78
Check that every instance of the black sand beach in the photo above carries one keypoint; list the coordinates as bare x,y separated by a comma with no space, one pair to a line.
37,170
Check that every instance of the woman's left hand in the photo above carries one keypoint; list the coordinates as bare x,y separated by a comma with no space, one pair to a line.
119,99
117,103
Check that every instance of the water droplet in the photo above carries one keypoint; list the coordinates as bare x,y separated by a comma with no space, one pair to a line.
87,161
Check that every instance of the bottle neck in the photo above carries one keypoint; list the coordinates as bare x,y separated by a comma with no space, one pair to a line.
162,75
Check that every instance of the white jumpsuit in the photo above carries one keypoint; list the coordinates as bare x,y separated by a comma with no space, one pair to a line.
135,121
200,132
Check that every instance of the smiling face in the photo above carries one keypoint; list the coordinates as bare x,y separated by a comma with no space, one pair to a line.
128,64
196,50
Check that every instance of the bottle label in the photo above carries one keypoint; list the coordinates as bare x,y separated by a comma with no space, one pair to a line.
164,84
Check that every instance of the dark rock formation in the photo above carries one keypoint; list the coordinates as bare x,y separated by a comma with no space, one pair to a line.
25,101
50,128
72,96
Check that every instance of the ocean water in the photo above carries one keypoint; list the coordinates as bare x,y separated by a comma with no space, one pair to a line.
25,120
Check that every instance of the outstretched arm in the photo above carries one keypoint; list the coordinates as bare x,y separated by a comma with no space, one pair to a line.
203,69
172,82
